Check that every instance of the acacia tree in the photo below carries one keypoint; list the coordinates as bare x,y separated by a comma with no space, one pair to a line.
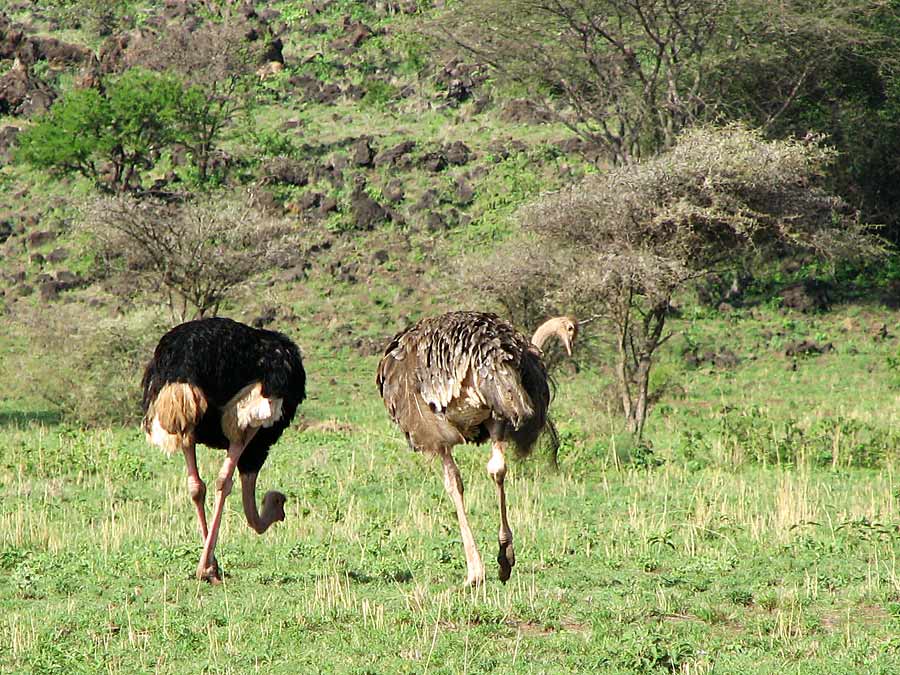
109,135
629,239
628,75
195,253
216,63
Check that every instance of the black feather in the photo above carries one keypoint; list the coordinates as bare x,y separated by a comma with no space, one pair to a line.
221,357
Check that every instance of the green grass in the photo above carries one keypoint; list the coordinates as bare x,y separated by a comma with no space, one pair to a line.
755,531
715,559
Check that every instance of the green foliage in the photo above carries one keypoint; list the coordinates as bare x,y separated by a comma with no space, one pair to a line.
123,126
88,373
831,442
379,94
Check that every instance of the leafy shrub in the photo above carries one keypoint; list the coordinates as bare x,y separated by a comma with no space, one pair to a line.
110,136
194,253
87,370
836,442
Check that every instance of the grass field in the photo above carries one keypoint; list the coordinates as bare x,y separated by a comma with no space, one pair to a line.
756,532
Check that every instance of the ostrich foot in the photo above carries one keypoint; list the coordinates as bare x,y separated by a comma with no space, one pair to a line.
473,580
209,572
506,558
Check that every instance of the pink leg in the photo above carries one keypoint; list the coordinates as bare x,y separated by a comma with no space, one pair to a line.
454,486
207,568
196,488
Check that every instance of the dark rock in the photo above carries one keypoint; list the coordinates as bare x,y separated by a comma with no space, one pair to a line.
67,280
435,222
366,212
458,153
268,202
428,200
17,87
40,238
354,92
57,52
354,35
295,273
434,161
806,296
722,358
329,93
328,205
273,52
11,37
391,156
500,150
393,191
284,170
57,255
310,200
37,103
807,348
265,318
459,80
361,153
176,9
50,290
523,111
6,230
380,257
345,272
116,52
464,192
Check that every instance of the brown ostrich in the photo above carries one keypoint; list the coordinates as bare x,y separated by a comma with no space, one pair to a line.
225,385
465,377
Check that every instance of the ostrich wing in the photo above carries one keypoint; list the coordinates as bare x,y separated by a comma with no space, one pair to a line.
462,365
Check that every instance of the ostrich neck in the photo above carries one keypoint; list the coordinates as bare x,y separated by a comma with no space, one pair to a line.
543,333
259,522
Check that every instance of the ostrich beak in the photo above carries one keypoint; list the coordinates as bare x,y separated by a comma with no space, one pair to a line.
567,343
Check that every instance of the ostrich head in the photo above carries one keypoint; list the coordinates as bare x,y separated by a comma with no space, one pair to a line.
563,327
272,507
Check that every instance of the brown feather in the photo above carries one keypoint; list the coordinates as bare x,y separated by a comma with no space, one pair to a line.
173,414
445,378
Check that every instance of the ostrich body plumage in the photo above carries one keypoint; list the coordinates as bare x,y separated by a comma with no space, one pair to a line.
469,377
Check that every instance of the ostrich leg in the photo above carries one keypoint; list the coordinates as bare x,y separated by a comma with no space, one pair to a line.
496,466
196,488
207,568
454,486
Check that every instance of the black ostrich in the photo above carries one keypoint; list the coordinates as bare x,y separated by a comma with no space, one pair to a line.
225,385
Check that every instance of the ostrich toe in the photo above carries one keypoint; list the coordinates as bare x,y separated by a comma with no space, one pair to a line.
210,572
506,558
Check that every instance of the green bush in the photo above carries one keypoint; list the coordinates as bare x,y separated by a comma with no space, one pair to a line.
112,136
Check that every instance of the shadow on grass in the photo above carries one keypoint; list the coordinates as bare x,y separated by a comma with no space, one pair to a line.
22,418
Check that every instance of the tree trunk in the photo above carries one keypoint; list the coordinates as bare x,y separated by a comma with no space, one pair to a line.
623,376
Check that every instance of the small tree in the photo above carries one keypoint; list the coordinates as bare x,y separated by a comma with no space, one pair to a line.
109,135
633,237
195,253
216,62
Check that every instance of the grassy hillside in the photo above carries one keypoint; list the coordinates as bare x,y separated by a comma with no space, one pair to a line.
754,530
